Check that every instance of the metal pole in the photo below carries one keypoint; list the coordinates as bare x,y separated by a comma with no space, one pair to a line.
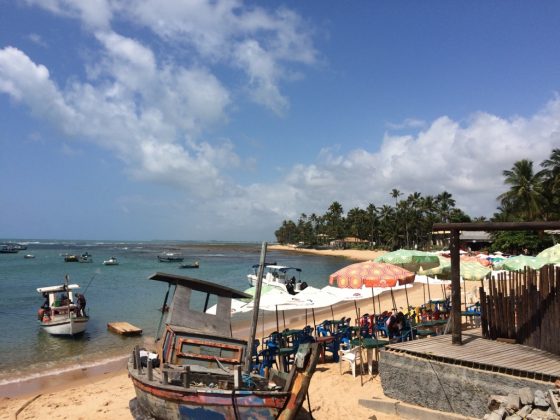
456,337
257,300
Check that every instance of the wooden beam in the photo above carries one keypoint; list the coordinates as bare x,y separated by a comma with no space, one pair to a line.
456,337
493,226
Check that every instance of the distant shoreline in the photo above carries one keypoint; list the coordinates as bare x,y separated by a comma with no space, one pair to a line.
353,254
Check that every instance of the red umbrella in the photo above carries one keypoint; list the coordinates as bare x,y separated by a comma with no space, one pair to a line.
371,274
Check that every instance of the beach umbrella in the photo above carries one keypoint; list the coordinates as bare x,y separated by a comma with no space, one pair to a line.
550,255
472,258
519,262
444,264
409,259
372,274
469,271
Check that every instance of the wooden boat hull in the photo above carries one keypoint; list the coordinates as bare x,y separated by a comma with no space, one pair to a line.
163,403
174,402
66,326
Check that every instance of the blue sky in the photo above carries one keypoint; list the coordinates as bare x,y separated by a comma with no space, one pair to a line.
207,120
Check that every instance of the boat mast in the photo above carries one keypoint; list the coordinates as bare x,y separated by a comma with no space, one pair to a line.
256,303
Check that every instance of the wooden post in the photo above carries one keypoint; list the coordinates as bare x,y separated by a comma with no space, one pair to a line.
138,361
134,361
186,374
456,337
150,371
165,373
237,377
257,300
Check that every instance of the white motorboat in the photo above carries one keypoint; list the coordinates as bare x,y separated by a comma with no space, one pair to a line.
29,256
63,312
111,261
283,277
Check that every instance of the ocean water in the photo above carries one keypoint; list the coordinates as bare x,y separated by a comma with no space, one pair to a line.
113,293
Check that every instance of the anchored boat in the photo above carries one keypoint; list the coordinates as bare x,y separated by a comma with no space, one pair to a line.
196,370
170,257
63,311
111,261
286,278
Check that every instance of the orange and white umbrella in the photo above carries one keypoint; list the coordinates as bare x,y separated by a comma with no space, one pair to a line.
372,274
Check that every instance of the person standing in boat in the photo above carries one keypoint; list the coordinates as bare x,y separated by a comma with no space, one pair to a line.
81,304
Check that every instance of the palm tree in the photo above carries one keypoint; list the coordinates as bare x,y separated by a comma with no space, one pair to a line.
395,194
334,220
551,183
445,203
526,190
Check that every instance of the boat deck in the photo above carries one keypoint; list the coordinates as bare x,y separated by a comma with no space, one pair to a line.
480,353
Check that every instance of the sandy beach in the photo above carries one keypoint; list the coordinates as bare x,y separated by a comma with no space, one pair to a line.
107,394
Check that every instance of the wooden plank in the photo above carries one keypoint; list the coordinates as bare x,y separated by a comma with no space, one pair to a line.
487,355
123,328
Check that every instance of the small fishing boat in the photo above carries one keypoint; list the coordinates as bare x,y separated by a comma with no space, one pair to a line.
170,257
286,278
71,258
86,257
59,315
193,265
29,256
196,370
111,261
8,249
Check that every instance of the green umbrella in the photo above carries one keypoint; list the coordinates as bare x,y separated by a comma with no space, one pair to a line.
519,263
550,255
469,271
410,259
443,267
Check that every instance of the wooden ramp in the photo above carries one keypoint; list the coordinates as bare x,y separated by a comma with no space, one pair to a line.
123,328
484,354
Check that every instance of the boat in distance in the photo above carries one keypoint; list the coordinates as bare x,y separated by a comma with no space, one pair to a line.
63,311
111,261
170,257
285,278
193,265
195,370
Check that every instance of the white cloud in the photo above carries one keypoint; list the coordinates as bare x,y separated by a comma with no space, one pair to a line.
467,160
94,13
406,124
259,43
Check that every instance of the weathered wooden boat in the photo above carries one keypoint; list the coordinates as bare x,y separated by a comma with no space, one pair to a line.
196,370
59,315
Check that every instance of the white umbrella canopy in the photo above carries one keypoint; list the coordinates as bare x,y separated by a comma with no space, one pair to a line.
429,280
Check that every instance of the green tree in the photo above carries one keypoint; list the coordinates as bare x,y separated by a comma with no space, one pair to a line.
525,193
551,185
334,221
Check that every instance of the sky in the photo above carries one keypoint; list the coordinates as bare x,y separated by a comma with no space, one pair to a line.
217,120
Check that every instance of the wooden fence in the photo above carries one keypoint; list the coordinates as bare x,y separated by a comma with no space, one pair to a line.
525,307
